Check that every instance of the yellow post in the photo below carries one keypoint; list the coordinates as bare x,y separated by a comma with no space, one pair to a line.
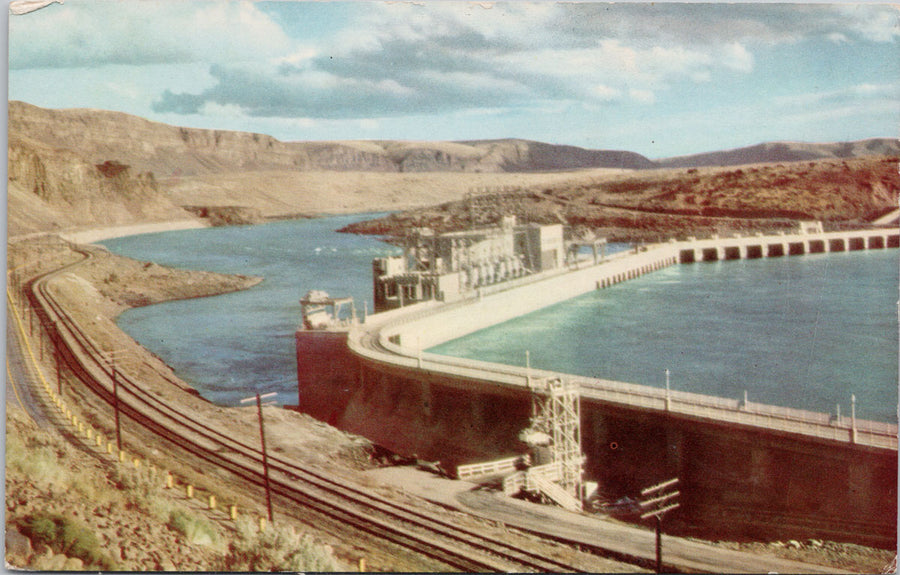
362,564
137,462
232,512
262,524
170,480
212,501
189,491
109,447
90,433
99,440
121,456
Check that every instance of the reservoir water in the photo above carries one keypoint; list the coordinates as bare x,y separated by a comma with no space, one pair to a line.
803,331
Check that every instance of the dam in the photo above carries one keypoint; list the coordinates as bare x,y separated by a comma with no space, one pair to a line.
746,469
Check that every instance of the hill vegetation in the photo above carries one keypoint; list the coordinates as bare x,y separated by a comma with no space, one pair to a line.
653,205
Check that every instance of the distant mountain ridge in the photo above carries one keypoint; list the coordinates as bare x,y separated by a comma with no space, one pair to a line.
773,152
171,151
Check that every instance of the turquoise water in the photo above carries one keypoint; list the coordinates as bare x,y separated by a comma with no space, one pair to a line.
803,331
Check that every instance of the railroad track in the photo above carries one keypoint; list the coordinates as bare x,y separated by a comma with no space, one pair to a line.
457,547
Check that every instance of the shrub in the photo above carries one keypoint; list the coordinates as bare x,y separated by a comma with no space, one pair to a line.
276,549
196,529
67,536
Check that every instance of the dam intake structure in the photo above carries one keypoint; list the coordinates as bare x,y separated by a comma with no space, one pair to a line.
746,469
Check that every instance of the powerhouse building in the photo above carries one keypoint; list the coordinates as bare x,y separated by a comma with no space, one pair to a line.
450,265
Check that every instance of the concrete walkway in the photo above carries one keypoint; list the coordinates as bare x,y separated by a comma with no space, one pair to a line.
614,536
887,218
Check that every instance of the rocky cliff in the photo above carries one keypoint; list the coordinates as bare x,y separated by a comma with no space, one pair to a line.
51,187
170,151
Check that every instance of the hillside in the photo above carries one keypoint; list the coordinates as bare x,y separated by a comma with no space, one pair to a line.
88,168
57,188
170,151
658,204
774,152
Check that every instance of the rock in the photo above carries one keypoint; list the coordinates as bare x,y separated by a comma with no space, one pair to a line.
56,562
17,545
166,565
814,542
794,543
73,564
42,550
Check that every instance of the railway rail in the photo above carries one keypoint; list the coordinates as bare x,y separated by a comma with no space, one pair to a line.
457,547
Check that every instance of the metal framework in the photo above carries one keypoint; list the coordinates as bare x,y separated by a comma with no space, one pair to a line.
556,412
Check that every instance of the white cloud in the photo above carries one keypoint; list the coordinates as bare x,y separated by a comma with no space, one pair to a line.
642,96
89,34
605,93
222,110
737,57
875,23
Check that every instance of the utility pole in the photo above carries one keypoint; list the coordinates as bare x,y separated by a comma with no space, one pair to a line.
659,504
668,392
116,405
262,438
111,358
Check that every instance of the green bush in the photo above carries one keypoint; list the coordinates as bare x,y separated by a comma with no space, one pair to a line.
276,549
67,536
195,529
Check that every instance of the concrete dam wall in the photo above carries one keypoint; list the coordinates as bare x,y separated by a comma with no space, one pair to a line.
745,471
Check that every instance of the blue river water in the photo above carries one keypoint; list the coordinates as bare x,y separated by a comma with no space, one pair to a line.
232,345
803,331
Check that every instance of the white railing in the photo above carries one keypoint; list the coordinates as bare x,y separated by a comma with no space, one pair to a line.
487,468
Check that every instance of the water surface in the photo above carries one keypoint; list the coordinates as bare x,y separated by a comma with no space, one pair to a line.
802,331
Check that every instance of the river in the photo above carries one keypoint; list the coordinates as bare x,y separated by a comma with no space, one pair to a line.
803,331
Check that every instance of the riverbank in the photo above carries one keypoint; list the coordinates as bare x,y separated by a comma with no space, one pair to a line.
96,234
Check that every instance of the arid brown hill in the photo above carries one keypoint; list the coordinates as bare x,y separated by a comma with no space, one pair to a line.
677,202
57,188
170,151
99,168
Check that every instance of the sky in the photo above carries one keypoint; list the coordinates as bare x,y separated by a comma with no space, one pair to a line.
660,79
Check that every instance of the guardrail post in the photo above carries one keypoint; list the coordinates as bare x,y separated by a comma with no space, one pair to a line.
232,512
212,501
262,524
170,480
189,491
